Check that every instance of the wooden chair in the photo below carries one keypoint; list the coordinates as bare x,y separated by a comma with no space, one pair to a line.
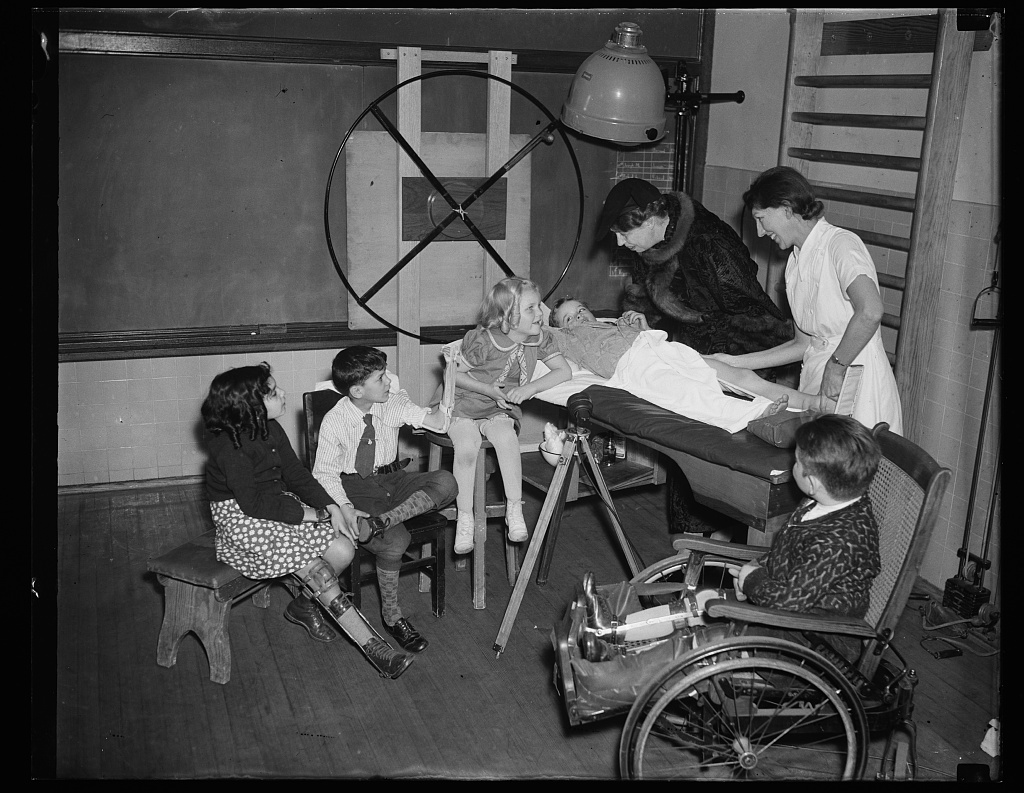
483,507
427,530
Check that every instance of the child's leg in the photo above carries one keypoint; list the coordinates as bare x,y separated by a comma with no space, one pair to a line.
501,432
748,380
320,579
415,493
466,440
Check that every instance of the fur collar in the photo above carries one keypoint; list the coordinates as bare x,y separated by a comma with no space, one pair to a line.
680,217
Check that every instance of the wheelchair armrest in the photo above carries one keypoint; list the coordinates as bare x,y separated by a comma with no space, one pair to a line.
791,620
727,550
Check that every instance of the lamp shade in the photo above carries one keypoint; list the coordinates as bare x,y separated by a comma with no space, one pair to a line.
618,94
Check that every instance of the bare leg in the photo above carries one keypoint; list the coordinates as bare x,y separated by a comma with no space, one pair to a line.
749,381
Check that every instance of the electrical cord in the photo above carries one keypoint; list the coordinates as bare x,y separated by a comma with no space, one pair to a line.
976,622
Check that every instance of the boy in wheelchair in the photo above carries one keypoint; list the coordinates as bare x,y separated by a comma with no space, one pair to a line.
822,562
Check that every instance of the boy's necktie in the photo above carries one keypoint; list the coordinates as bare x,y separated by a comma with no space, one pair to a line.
366,452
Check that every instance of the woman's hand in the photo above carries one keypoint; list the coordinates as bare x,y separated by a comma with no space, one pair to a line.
832,380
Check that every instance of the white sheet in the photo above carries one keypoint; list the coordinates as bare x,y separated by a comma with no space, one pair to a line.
671,376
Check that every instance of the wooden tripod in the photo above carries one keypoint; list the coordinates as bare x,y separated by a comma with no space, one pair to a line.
576,450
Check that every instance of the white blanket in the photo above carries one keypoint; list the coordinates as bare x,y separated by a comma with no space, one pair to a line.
669,375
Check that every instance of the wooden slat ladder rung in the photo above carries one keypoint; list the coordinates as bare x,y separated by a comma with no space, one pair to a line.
885,161
864,80
890,241
861,120
892,281
879,200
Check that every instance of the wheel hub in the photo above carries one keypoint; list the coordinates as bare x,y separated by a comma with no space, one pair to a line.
745,753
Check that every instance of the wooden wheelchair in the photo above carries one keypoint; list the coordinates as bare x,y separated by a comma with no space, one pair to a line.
707,698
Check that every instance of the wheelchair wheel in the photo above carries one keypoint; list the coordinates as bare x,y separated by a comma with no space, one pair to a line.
752,708
676,570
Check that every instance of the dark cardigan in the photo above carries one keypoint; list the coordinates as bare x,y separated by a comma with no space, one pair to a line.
700,286
259,474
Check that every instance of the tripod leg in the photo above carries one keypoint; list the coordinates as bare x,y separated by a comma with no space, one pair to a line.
587,458
548,552
551,502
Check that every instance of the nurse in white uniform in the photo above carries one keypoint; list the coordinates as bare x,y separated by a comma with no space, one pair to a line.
832,288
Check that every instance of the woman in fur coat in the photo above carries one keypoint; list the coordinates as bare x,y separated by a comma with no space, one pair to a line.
693,278
692,275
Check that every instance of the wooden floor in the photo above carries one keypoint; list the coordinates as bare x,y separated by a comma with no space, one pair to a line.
297,708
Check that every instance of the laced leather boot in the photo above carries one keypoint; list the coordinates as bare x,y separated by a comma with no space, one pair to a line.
388,662
305,612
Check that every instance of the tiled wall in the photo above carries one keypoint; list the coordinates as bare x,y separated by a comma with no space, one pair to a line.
959,365
123,421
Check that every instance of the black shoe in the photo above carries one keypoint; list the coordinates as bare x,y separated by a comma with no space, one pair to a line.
303,611
374,527
407,636
389,662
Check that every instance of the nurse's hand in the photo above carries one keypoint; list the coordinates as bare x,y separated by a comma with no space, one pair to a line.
832,380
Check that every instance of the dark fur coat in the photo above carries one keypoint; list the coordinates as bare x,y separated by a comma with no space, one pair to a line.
700,286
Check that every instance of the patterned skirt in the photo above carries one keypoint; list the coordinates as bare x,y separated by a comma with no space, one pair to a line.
259,548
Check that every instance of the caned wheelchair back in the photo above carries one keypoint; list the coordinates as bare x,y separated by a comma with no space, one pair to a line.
905,494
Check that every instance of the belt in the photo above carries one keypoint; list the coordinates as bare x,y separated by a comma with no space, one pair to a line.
390,468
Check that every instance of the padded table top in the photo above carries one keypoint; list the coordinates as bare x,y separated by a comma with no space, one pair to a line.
740,451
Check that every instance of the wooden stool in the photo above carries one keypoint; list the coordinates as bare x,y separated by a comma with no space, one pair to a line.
482,510
198,594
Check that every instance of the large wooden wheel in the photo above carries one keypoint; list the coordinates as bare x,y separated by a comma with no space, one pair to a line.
441,203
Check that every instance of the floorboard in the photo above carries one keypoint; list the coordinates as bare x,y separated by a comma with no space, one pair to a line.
295,708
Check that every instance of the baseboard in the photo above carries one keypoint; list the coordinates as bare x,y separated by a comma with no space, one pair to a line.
132,484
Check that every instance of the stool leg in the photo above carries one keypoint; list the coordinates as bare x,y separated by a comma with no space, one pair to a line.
213,633
194,608
178,609
261,597
479,533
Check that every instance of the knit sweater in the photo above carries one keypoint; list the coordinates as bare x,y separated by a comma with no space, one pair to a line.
820,566
259,474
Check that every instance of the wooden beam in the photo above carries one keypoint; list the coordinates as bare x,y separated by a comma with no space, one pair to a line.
499,126
350,53
409,366
946,102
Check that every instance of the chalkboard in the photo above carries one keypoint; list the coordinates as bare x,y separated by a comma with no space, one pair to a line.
192,191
